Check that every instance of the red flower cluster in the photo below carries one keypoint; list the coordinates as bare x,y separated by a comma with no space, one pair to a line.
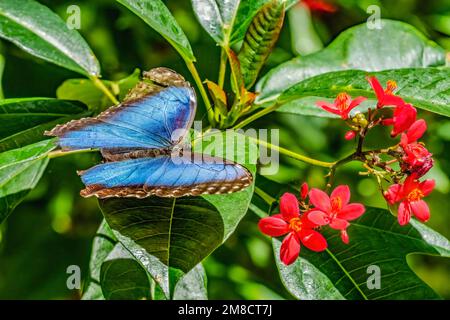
414,159
301,227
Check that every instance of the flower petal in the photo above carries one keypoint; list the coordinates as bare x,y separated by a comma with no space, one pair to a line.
342,192
289,206
427,186
290,249
393,194
391,100
404,213
339,224
319,218
376,86
351,211
320,199
420,210
356,102
273,226
313,240
416,131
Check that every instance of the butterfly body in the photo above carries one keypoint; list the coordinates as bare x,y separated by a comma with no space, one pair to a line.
139,139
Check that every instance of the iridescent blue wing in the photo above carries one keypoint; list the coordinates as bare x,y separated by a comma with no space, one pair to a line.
164,177
158,119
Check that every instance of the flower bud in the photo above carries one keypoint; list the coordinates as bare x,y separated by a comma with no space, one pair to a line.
304,190
350,135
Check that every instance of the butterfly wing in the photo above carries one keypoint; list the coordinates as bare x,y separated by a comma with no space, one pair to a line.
155,121
161,176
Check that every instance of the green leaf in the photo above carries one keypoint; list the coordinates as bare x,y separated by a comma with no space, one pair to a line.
192,286
103,243
425,88
260,39
157,16
2,68
122,277
171,236
376,239
87,92
217,17
246,12
25,120
40,32
397,45
20,171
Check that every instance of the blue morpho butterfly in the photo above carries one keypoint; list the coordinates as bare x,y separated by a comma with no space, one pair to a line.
138,138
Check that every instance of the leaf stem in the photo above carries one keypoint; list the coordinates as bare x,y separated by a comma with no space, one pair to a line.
223,68
100,85
256,115
190,65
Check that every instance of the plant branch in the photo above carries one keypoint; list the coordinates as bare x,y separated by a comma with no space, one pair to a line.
60,153
292,154
256,115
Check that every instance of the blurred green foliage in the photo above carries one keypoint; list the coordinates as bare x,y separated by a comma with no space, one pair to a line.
54,227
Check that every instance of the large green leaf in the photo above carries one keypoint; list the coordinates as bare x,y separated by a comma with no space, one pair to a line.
396,45
25,120
20,171
40,32
2,68
87,92
171,236
425,88
376,239
157,16
115,274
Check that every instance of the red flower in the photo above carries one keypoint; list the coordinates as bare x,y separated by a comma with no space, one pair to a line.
319,5
298,228
386,96
416,159
404,117
342,105
335,209
410,195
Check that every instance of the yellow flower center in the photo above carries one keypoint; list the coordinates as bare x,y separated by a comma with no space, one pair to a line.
342,101
295,224
336,204
415,195
391,86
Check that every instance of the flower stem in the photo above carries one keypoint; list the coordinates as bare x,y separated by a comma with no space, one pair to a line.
263,195
100,85
223,68
293,155
190,65
256,115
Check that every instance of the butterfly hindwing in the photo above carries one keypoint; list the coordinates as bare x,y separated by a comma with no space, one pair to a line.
161,176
